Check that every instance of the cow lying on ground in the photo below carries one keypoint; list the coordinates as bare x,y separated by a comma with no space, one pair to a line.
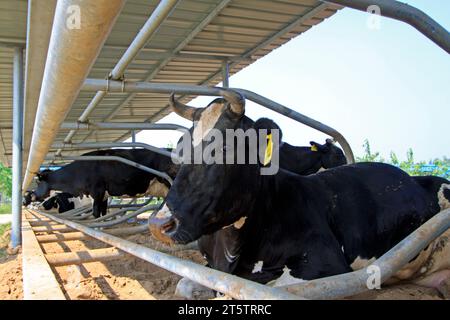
100,179
289,228
65,201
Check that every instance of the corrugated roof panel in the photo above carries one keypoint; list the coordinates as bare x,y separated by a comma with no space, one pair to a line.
237,31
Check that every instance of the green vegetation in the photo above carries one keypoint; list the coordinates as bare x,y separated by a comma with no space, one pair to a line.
3,238
437,167
5,208
5,180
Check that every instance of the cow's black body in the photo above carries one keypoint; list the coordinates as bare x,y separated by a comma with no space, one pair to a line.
60,201
99,178
318,225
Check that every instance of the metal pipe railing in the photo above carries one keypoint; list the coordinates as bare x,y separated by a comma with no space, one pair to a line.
233,286
406,13
118,86
113,158
39,28
16,222
71,53
122,219
159,14
100,145
121,126
352,283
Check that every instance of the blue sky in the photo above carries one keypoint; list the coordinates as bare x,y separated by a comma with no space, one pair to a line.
389,85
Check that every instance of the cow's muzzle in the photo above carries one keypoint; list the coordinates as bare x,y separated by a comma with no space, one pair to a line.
163,225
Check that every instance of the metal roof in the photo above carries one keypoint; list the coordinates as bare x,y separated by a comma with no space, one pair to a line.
190,47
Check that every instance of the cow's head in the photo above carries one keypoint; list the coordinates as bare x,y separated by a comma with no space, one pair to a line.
331,156
28,198
207,197
43,187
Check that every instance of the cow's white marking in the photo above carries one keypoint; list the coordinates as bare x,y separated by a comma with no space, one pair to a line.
322,169
163,213
444,203
79,202
157,189
240,223
207,121
285,279
258,267
342,248
106,196
360,263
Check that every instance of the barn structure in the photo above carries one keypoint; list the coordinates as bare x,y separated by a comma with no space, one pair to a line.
81,75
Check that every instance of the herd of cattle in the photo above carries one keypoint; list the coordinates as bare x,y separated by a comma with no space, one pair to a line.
316,217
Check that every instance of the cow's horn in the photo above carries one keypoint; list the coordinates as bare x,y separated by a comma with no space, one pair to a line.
181,109
236,100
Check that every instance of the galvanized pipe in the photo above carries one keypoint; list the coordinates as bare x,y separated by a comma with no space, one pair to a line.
100,145
225,74
406,13
71,54
131,205
233,286
352,283
39,28
279,108
112,214
16,222
121,126
114,158
161,12
122,219
116,86
80,257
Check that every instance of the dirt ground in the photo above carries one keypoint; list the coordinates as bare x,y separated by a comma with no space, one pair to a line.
132,278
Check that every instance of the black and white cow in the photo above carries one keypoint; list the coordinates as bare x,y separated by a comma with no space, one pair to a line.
64,201
99,179
287,227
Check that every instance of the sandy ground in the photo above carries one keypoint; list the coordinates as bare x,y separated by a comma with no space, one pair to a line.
132,278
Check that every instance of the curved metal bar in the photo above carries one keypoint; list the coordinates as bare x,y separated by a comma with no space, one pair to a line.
116,86
352,283
114,158
132,205
121,126
98,145
113,214
287,112
406,13
121,219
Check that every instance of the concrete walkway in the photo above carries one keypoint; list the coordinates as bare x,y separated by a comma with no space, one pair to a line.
5,218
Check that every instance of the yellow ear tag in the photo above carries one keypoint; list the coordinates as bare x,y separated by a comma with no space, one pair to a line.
269,148
314,148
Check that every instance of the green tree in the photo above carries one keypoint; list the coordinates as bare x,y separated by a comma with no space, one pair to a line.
436,167
5,180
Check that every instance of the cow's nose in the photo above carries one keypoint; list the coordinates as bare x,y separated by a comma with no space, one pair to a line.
162,225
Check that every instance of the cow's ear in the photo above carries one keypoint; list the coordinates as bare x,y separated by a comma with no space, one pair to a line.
42,176
273,136
317,147
269,125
